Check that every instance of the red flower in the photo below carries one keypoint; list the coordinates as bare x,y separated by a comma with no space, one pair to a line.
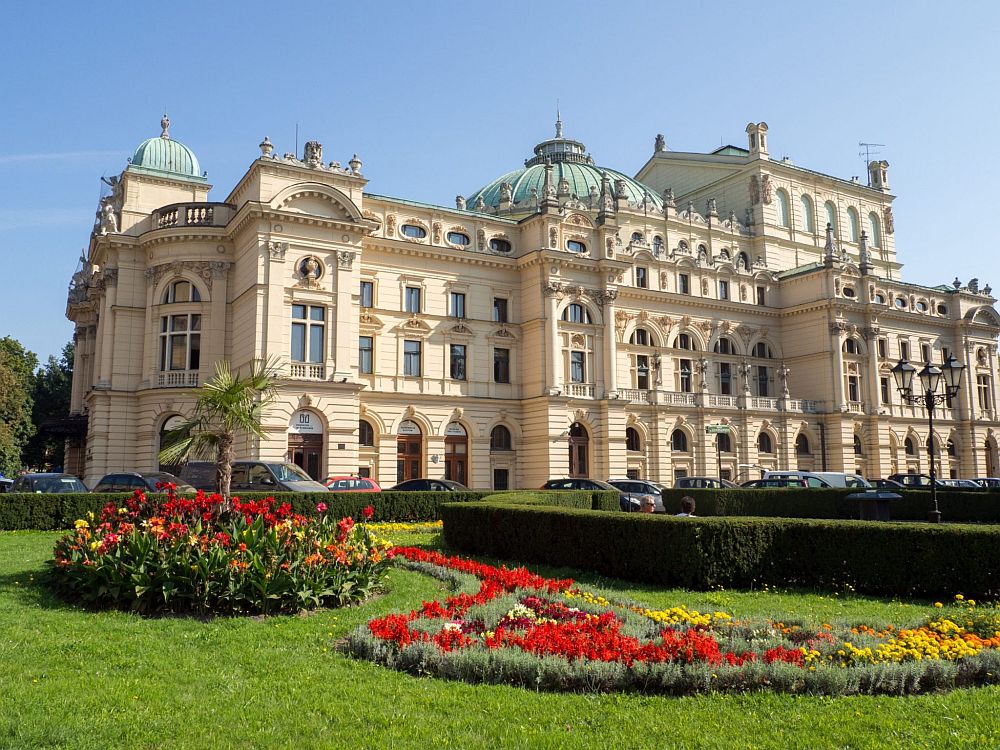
368,512
321,508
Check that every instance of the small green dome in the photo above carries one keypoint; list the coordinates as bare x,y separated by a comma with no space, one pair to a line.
167,157
572,169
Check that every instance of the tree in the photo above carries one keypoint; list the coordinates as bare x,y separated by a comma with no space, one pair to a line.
51,390
227,403
17,366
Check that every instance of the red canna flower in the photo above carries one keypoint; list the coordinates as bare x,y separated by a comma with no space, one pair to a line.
368,512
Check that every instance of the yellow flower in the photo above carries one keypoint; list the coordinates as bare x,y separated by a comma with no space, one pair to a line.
81,524
938,604
959,597
94,545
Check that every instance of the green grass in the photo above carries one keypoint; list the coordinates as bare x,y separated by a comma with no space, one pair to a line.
76,679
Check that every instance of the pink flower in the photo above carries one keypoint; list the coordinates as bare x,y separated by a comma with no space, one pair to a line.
321,508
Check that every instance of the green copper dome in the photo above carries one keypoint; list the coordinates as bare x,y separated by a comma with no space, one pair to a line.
573,171
166,157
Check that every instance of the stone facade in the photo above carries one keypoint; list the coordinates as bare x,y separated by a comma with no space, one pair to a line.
586,323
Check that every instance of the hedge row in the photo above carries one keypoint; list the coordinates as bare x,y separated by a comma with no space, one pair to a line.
977,506
703,553
58,511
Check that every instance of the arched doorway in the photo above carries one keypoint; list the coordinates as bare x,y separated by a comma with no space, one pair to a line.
456,453
305,442
579,449
409,451
170,423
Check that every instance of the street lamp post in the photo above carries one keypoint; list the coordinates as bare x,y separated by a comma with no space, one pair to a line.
930,377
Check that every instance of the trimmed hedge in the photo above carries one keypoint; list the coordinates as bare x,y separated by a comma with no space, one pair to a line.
22,511
703,553
972,506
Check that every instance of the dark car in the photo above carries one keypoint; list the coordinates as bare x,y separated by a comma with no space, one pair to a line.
912,480
627,501
754,484
130,481
429,485
704,483
5,484
48,483
886,484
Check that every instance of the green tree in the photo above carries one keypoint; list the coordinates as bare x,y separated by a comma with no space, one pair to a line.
227,404
17,367
51,391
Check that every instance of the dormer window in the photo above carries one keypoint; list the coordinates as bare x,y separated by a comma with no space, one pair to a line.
921,306
848,291
181,291
413,231
575,246
499,246
457,238
901,303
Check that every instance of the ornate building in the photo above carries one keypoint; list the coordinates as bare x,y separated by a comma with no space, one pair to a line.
716,314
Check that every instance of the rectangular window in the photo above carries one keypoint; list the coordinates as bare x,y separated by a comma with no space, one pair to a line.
685,375
883,348
761,296
725,379
366,355
641,279
904,350
457,361
501,479
308,333
684,283
180,342
500,310
642,372
762,381
411,359
501,365
367,294
723,289
457,307
983,387
884,388
925,352
577,367
412,299
853,388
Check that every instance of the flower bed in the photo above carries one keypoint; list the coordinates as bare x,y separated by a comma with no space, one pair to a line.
205,556
512,626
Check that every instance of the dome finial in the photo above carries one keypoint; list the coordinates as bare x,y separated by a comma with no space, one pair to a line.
165,124
559,132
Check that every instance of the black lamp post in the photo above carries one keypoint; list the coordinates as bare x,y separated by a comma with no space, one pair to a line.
930,377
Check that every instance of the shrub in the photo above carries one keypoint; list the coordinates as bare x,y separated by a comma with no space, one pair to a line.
206,556
701,553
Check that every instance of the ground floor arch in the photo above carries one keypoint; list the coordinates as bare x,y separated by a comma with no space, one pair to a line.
305,443
409,451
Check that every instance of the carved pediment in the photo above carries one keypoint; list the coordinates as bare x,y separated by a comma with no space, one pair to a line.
368,320
414,324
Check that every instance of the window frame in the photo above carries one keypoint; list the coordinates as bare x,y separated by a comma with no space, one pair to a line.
412,358
501,365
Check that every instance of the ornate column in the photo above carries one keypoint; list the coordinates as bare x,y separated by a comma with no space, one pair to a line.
838,367
610,345
552,291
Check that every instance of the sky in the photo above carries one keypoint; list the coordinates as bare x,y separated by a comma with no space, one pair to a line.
439,98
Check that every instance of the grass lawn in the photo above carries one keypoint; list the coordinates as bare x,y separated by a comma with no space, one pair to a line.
76,679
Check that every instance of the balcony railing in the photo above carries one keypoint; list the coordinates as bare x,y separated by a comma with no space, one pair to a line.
303,371
580,390
178,379
675,398
722,402
856,407
634,396
804,405
192,215
764,403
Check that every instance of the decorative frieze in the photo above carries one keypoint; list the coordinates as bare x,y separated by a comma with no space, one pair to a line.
207,270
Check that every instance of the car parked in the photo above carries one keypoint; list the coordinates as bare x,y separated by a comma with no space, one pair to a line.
428,485
48,482
130,481
5,483
352,484
822,478
639,487
627,501
961,484
272,476
886,484
912,479
988,482
754,484
703,483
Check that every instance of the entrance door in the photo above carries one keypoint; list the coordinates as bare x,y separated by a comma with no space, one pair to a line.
304,451
579,446
409,452
456,453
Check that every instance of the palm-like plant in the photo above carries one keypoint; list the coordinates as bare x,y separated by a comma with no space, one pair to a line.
228,403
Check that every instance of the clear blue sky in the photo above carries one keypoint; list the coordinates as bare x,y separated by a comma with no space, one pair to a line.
439,98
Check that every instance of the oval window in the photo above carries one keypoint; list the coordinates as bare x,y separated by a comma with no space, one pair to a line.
412,230
901,302
880,299
457,238
942,310
499,246
848,291
576,247
921,306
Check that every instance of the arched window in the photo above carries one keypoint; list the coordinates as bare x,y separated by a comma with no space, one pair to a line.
857,445
808,222
657,244
366,434
875,234
500,439
762,350
851,347
684,341
723,443
181,291
637,238
802,445
908,447
724,346
632,441
576,313
784,215
724,254
679,441
764,444
854,222
831,215
742,261
640,337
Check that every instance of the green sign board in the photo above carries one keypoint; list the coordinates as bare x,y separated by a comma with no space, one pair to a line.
716,429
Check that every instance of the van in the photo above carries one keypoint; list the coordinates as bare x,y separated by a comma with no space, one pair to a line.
821,478
253,476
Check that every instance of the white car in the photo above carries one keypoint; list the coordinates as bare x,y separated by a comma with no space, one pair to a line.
822,478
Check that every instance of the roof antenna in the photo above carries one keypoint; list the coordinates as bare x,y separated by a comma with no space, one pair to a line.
867,154
559,132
